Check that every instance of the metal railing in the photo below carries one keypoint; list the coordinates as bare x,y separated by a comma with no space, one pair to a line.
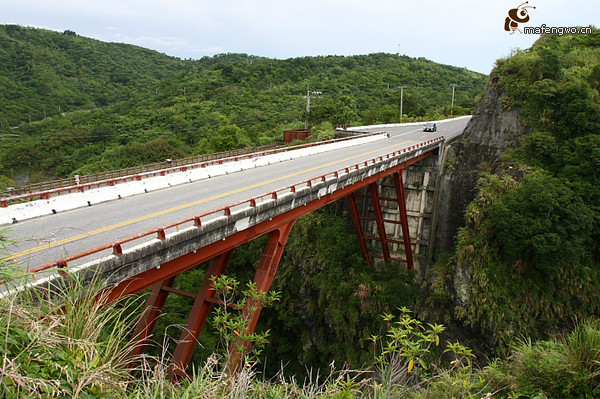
134,170
227,210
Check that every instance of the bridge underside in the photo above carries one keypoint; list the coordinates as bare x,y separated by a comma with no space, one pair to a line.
219,253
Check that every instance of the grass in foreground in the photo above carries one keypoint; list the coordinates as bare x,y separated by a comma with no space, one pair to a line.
68,346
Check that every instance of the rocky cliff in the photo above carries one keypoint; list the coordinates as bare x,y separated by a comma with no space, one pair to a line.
488,134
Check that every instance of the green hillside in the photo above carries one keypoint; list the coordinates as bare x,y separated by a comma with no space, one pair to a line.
142,106
45,71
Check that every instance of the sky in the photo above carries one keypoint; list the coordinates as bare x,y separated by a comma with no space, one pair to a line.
462,33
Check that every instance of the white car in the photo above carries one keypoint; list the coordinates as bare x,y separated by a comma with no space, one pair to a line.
430,127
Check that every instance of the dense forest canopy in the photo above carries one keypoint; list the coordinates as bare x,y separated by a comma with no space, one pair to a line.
71,104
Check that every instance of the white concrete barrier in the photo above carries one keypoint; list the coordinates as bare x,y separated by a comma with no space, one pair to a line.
369,127
89,197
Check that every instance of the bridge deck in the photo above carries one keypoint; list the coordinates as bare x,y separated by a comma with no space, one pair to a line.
46,239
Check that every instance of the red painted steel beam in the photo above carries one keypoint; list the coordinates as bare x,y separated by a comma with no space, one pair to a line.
401,196
198,315
176,266
263,279
154,304
358,227
268,266
374,190
172,290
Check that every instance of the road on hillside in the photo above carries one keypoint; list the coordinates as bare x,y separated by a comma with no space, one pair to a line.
48,238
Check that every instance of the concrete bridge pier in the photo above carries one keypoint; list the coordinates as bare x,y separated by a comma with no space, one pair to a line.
390,230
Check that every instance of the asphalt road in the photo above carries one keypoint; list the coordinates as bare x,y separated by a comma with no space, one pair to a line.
49,238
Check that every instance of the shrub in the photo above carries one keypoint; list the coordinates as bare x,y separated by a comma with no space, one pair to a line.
565,367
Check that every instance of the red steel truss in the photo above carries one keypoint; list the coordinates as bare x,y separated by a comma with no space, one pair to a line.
375,200
401,198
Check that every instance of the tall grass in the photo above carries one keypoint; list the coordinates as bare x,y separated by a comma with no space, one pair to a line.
64,343
69,343
565,367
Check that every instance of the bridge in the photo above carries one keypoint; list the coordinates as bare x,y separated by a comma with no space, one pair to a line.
140,241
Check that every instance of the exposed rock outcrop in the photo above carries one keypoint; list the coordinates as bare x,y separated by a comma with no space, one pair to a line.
488,134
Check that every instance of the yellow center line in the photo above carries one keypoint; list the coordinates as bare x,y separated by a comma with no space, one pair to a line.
180,207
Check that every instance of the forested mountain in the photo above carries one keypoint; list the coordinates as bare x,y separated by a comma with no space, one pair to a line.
71,104
44,73
527,261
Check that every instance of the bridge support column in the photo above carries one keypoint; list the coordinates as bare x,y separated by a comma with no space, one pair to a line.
198,315
263,279
380,235
401,197
376,201
154,304
358,227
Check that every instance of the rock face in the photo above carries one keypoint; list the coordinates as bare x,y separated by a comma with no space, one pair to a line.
488,134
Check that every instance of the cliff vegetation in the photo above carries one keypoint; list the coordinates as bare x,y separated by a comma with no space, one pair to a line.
527,261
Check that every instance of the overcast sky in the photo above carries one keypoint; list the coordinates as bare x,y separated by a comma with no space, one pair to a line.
463,33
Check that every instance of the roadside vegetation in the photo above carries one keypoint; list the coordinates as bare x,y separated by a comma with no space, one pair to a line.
71,344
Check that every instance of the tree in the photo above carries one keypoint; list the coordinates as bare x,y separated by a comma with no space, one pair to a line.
541,225
227,138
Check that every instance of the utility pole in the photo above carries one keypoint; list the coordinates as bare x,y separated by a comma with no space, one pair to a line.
401,102
308,93
452,106
307,107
